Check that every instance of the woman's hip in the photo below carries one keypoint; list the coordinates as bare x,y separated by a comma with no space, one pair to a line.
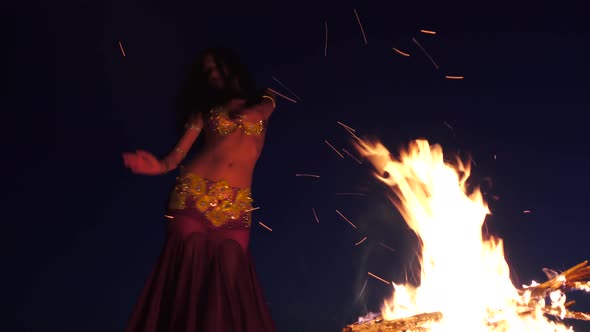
214,203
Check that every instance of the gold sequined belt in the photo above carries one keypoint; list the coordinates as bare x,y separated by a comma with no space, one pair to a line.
223,205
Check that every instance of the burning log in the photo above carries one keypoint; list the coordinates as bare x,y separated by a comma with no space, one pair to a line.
575,278
408,324
548,310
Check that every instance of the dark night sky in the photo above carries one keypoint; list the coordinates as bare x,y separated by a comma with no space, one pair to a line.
87,232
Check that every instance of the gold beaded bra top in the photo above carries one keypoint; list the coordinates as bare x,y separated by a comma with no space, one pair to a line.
224,125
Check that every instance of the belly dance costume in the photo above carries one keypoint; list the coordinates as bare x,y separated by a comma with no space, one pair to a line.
204,282
222,206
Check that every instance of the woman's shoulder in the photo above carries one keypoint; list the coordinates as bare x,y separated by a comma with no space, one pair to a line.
256,96
195,118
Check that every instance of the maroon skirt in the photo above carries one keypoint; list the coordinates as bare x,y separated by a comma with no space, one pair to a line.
204,280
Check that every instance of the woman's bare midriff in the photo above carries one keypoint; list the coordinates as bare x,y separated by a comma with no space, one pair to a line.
231,158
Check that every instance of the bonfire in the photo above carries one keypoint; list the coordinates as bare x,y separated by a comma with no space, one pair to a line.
465,281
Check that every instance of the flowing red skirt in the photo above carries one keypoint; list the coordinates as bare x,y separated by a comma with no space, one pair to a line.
204,280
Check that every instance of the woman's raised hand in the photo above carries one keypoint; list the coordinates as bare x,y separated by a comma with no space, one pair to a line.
142,162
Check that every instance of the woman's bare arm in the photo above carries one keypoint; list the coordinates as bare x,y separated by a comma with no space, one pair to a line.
192,130
260,111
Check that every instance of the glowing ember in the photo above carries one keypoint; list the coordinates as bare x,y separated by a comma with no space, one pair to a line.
333,148
464,276
343,217
361,241
429,32
351,156
360,24
286,88
315,215
426,53
263,225
282,95
450,77
346,126
308,175
400,52
122,50
378,278
386,247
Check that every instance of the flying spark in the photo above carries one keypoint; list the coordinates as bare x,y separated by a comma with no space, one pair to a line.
454,77
333,148
361,241
448,126
351,156
282,95
363,289
308,175
286,88
428,55
346,126
386,247
263,225
122,50
428,32
362,30
378,278
400,52
350,222
352,134
315,215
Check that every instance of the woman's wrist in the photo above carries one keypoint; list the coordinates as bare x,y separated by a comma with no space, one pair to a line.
164,167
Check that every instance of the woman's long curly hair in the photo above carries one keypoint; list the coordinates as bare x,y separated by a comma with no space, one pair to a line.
197,96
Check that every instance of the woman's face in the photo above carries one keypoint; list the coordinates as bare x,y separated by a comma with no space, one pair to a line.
213,73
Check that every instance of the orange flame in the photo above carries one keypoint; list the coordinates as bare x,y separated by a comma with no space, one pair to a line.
463,275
